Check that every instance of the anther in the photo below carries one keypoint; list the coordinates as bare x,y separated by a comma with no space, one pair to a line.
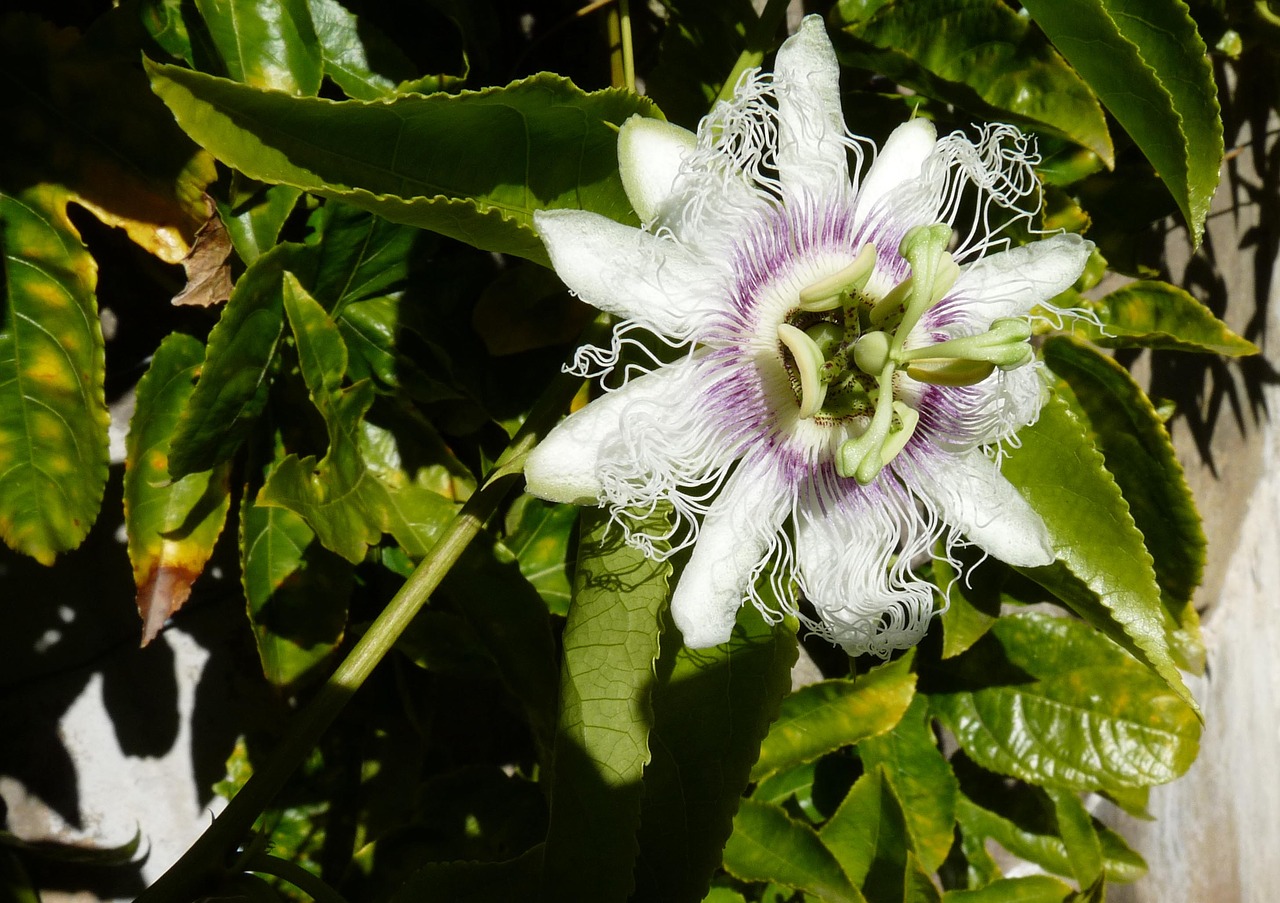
809,360
825,294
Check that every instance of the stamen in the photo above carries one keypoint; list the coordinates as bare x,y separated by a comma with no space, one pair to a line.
898,439
1004,345
951,372
809,360
825,293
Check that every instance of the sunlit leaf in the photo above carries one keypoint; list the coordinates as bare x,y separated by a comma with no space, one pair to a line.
868,835
1075,826
1029,889
473,166
265,43
768,845
1050,701
239,362
1104,571
77,114
981,56
1149,66
359,58
921,780
825,716
53,417
1150,314
1138,451
254,222
1046,850
171,525
602,745
711,709
338,496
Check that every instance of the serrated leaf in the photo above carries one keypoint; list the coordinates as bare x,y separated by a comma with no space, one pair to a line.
1075,827
254,223
981,56
921,779
360,59
1050,701
1151,314
834,713
711,709
239,362
53,416
339,497
78,115
611,640
868,835
538,534
1104,571
1044,849
1029,889
473,166
1138,452
768,845
265,43
918,885
1148,65
171,525
297,592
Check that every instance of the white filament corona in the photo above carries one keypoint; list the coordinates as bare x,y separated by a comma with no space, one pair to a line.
771,252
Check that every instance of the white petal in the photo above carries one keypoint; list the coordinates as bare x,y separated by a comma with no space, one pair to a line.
899,161
565,466
970,493
650,155
1010,283
629,272
811,149
854,548
736,536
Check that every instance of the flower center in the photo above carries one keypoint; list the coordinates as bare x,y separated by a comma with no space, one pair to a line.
843,348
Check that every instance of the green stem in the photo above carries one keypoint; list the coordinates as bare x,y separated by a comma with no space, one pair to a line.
296,875
759,42
622,60
206,857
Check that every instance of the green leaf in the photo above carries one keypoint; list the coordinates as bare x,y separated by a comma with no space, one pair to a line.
1084,850
171,525
473,166
254,222
1104,571
53,417
611,640
919,886
360,59
1050,701
340,498
834,713
471,882
265,43
768,845
297,592
699,47
981,56
239,362
921,779
1151,314
711,709
1148,65
538,534
359,256
1030,889
15,883
1137,450
1044,849
868,835
974,601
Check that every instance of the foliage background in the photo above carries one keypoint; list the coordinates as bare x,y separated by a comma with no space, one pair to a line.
316,435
